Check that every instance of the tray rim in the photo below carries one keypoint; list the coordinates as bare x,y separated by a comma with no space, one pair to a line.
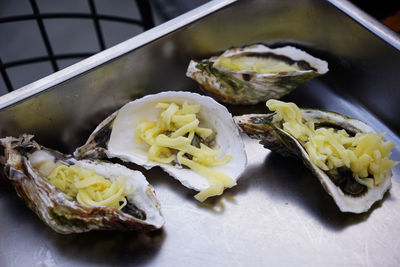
368,22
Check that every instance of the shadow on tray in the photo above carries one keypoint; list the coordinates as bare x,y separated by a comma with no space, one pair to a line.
111,247
291,182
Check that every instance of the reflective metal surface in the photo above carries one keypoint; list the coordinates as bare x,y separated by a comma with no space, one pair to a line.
278,214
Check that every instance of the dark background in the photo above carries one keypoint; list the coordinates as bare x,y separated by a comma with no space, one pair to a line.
21,39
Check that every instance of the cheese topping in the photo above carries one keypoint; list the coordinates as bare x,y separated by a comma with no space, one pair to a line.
177,137
89,188
365,154
257,64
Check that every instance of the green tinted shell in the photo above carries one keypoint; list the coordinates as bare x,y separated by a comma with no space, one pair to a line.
248,85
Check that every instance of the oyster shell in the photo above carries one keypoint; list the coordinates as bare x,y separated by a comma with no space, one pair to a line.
249,86
114,137
25,161
348,194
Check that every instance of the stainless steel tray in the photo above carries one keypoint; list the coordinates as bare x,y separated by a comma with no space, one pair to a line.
278,214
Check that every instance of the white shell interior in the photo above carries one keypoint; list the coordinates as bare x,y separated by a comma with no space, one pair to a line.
212,115
142,196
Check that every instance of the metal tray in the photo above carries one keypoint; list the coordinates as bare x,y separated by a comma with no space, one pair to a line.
278,214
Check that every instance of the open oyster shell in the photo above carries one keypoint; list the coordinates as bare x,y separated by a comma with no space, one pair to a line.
349,195
22,158
114,137
249,86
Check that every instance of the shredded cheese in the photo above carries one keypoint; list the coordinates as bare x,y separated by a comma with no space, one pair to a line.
257,64
89,188
365,154
170,140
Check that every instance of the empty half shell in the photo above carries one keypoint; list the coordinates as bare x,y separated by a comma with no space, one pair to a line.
255,73
350,193
115,137
27,165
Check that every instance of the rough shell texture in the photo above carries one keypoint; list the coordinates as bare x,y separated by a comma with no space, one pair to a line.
260,126
114,137
67,216
250,87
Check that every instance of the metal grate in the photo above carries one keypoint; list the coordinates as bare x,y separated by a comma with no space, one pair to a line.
146,21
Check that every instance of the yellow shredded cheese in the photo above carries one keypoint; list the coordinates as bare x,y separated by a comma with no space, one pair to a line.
257,64
89,188
170,140
365,154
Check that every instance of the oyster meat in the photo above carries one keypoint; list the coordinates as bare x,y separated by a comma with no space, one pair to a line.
115,137
348,157
255,73
28,165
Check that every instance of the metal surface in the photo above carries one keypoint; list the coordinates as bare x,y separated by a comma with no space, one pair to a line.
278,214
369,22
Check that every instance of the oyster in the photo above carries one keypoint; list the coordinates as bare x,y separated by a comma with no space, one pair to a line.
115,137
352,191
255,73
27,165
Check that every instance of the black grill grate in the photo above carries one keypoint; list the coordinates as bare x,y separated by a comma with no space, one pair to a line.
145,21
